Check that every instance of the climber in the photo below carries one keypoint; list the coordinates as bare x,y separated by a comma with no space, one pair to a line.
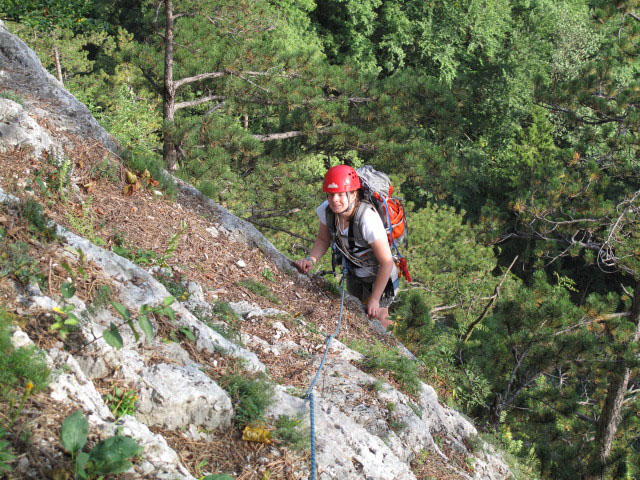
372,275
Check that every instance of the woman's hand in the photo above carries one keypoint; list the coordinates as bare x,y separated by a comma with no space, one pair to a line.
373,308
303,265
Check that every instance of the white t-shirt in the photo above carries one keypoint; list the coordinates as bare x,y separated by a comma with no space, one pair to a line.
372,230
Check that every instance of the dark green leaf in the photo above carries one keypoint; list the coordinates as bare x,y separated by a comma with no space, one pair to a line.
73,434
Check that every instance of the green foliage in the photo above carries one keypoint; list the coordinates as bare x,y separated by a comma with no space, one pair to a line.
174,286
121,401
112,334
23,371
250,396
19,265
64,318
224,321
38,223
402,369
106,169
260,289
109,456
289,431
83,223
9,95
6,454
149,257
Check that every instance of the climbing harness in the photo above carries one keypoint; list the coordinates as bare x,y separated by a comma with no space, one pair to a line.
309,394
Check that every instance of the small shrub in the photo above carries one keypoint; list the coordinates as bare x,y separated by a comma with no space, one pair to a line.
19,265
106,169
289,430
259,289
404,370
19,367
250,396
39,223
83,223
173,285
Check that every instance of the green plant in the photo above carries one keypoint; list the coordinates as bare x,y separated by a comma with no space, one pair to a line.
149,257
64,320
259,289
268,274
423,456
289,430
18,264
54,179
471,462
106,169
38,222
84,222
109,456
250,395
9,95
185,331
174,286
121,401
218,476
6,454
404,370
23,371
230,328
397,425
112,335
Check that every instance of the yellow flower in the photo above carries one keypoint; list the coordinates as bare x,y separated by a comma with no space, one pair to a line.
58,310
29,386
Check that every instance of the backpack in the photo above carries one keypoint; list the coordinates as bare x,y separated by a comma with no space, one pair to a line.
377,194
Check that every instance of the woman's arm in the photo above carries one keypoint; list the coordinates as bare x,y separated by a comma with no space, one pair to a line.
320,246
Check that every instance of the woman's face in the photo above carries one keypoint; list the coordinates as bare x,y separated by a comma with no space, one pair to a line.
339,202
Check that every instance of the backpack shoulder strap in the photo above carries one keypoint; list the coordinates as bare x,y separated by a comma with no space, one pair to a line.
331,221
357,222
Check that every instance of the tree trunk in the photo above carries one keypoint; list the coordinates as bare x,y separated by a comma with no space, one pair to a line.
170,155
56,59
612,409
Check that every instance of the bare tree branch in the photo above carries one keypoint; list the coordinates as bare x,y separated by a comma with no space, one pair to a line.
198,101
496,293
196,78
284,135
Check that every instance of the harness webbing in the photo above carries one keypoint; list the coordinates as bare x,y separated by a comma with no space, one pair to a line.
309,394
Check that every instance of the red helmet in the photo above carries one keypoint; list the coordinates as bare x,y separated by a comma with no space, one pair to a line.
341,178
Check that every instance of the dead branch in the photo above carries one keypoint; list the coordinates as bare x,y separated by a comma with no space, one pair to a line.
494,297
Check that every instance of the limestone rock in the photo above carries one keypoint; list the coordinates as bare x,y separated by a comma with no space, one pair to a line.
173,396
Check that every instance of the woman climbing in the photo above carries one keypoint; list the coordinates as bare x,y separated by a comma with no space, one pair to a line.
358,235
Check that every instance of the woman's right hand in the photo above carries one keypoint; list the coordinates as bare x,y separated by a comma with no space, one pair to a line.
303,265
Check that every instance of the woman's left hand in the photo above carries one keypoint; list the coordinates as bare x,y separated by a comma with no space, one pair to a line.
373,308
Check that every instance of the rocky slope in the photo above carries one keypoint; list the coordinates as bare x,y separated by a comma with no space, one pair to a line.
186,246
